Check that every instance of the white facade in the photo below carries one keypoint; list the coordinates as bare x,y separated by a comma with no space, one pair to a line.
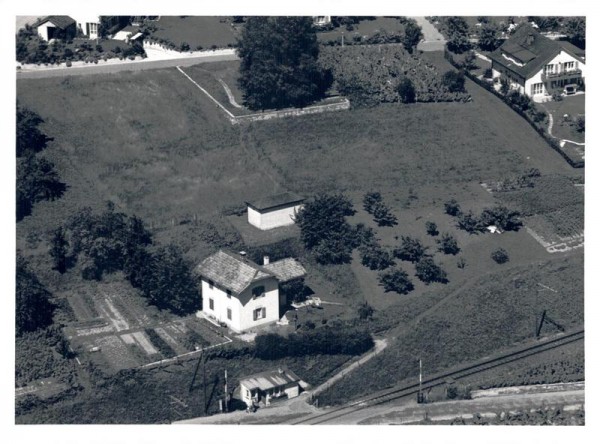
88,24
277,217
43,30
562,63
255,306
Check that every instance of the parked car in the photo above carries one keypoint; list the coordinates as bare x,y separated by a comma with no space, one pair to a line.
570,89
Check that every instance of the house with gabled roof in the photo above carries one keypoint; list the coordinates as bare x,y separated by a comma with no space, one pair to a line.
536,65
274,211
56,27
269,386
242,294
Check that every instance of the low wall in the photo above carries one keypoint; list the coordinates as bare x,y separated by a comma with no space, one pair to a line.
293,112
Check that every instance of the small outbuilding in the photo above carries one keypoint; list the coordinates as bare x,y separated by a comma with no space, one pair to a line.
56,27
266,387
274,211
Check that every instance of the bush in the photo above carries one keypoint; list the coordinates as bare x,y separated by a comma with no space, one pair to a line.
406,91
580,124
448,245
488,73
370,199
375,257
431,228
469,223
452,207
365,311
500,256
411,249
502,217
428,271
396,280
454,81
383,216
184,47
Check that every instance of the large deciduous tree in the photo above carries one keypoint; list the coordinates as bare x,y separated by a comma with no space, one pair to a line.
279,63
30,139
457,30
33,307
37,180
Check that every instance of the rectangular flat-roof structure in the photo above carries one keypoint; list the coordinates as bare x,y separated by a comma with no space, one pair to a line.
268,203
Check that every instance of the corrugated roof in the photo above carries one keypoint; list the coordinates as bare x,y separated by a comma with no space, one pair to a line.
277,200
270,379
60,21
231,271
528,47
286,269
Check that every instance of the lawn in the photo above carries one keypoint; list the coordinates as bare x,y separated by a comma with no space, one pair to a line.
565,112
196,31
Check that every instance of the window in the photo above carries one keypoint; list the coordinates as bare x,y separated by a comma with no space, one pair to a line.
569,66
93,27
211,284
537,88
259,291
229,294
211,304
549,69
260,313
229,314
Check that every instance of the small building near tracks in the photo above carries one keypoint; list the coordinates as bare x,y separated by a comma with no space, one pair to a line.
269,386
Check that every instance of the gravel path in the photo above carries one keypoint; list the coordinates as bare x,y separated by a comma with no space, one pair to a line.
432,39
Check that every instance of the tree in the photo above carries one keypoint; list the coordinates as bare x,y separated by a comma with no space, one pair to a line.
30,139
428,271
410,249
365,311
396,280
279,63
575,31
469,223
406,91
431,228
488,35
452,207
383,216
375,257
33,307
370,199
502,217
170,285
447,244
580,124
500,256
412,35
454,81
458,34
58,250
324,229
36,180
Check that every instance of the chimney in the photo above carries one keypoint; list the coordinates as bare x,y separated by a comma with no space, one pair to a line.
265,260
530,39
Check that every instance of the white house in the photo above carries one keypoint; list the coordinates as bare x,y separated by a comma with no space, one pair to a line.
274,211
266,387
56,27
536,65
241,293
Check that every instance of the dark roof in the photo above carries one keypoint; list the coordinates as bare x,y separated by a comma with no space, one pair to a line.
231,271
270,379
60,21
531,51
286,269
130,28
277,200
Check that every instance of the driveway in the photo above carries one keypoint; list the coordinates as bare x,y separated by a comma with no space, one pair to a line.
432,39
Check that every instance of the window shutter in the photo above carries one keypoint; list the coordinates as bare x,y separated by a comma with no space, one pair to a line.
254,315
264,312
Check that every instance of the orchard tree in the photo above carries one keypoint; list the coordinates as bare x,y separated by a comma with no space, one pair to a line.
33,307
428,271
375,257
396,280
502,217
383,216
469,223
410,249
452,207
447,244
279,63
370,199
431,228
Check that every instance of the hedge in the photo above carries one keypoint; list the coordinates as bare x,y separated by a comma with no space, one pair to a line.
549,140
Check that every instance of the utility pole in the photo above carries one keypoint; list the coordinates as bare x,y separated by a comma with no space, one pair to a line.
420,395
226,394
204,385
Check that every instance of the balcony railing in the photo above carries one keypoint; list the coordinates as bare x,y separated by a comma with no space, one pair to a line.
561,75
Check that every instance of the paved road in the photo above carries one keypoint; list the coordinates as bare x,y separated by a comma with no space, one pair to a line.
108,67
432,39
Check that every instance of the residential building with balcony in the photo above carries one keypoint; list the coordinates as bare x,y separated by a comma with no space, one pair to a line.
536,65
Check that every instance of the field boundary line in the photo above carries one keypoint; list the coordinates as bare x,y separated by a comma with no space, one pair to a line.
232,118
186,355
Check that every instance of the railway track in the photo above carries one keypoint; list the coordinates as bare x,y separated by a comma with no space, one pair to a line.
441,378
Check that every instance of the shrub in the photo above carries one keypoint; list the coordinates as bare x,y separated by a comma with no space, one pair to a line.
383,216
365,311
469,223
454,81
410,249
500,256
461,263
488,73
431,228
375,257
428,271
580,124
448,245
406,91
370,199
452,207
184,47
396,280
502,217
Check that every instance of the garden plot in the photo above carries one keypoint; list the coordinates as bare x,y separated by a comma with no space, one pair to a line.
116,352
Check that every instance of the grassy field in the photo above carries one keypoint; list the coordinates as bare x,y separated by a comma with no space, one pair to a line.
158,148
564,128
195,31
489,314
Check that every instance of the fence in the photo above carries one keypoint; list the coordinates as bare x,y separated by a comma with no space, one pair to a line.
549,140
